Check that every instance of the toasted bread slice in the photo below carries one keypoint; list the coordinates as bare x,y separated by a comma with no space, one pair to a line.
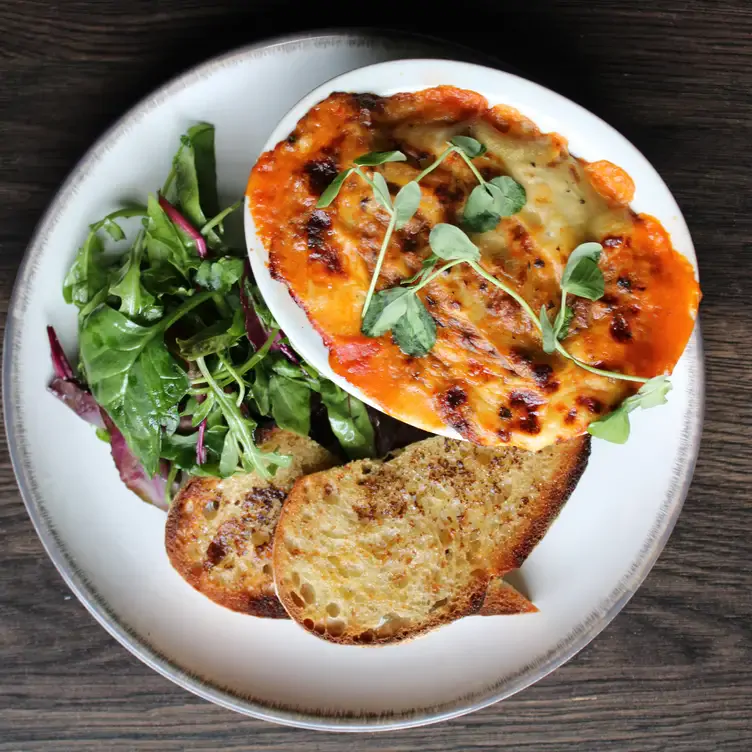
219,531
503,599
376,552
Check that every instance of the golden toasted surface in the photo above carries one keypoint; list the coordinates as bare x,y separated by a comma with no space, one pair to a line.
219,531
502,599
375,552
487,375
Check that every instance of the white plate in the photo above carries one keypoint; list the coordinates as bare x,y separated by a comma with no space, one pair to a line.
109,546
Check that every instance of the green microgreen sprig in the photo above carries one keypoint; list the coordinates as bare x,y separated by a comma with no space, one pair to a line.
401,311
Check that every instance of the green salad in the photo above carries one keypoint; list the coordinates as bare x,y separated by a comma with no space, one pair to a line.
180,360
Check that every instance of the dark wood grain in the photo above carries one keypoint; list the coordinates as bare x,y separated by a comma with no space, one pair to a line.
673,670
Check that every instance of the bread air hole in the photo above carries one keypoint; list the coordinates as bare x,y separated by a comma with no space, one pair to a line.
440,604
472,552
333,609
259,538
308,593
393,625
296,579
335,627
267,570
297,600
210,509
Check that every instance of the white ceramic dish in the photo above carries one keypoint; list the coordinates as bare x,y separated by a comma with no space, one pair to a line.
109,546
589,137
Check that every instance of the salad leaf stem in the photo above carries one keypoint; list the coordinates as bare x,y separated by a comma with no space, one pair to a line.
180,221
470,164
379,263
559,347
259,355
241,429
438,273
200,446
220,217
382,198
236,378
170,480
182,309
60,362
433,166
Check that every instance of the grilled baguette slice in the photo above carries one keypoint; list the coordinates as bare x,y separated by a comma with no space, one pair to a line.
503,599
376,552
219,531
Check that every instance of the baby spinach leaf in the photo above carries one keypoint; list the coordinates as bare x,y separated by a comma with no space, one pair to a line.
291,404
281,365
333,189
216,338
387,307
415,331
202,139
192,157
220,275
406,204
547,330
379,157
134,378
509,195
113,229
165,279
259,305
451,244
88,273
349,420
381,191
470,146
230,458
136,301
164,244
260,389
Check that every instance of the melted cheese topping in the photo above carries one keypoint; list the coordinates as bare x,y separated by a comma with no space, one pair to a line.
487,376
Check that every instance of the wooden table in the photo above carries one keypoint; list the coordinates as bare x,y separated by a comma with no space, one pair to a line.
673,670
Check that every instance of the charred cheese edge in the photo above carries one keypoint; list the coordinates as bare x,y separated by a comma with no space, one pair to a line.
487,376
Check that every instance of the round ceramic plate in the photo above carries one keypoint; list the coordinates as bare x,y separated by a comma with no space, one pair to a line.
109,547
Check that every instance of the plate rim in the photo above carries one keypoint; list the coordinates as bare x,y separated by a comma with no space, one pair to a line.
157,660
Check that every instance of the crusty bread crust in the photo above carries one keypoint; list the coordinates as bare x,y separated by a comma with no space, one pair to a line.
504,600
377,552
219,531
